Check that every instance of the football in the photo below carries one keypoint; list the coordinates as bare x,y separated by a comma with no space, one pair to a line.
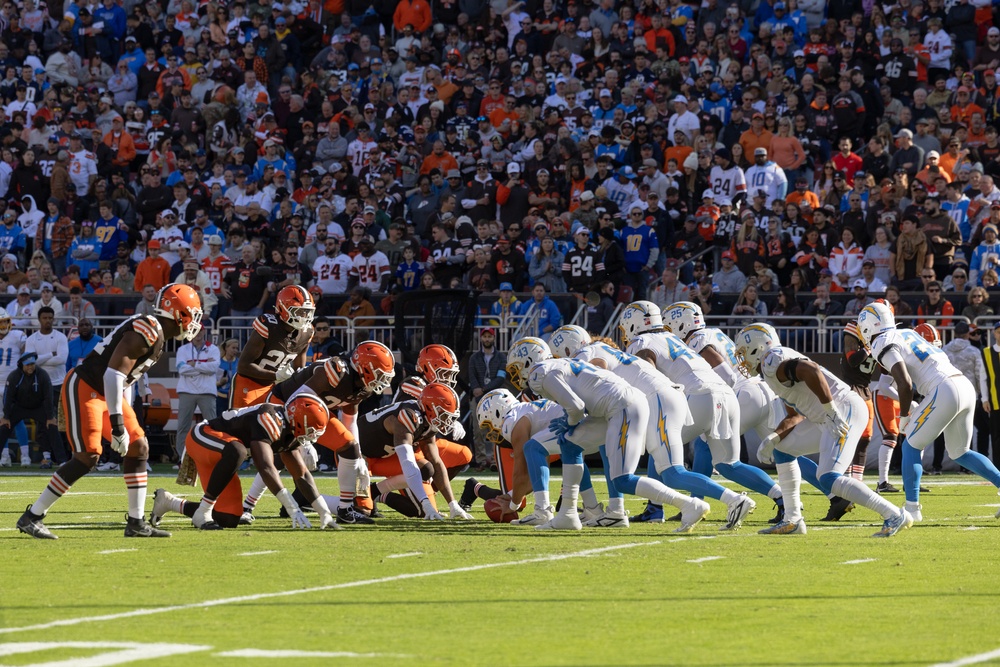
499,511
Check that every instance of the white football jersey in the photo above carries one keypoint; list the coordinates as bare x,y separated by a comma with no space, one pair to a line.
11,349
639,373
579,387
799,396
721,343
676,360
927,365
538,413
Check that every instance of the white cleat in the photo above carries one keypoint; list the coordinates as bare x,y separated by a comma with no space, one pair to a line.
613,519
562,522
915,511
247,517
785,528
592,514
891,526
693,511
5,459
739,509
161,505
538,517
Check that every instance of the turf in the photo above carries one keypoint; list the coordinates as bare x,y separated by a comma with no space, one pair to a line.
641,596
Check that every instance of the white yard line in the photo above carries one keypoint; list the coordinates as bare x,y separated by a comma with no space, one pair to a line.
971,660
406,555
261,653
257,553
115,551
705,559
66,622
859,561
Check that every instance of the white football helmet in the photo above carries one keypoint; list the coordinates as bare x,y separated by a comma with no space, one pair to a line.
638,317
567,340
524,354
683,318
752,343
876,318
492,408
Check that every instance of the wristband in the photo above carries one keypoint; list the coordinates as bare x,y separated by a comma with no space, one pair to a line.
117,424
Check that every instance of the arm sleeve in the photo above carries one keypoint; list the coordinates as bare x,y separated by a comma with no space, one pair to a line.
114,388
411,471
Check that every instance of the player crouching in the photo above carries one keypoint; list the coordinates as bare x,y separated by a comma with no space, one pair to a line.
218,450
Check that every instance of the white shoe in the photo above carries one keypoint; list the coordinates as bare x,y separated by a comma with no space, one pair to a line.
914,511
738,510
5,459
785,528
693,511
613,519
108,466
562,522
893,525
161,505
247,517
26,463
538,517
592,514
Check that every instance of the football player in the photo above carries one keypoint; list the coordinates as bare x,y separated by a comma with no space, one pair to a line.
219,447
277,346
824,416
948,406
96,406
584,390
342,382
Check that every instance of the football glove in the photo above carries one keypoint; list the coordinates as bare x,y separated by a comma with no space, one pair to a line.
430,513
456,512
119,436
283,373
309,456
299,519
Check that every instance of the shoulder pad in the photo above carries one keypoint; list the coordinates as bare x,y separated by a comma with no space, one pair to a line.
335,369
260,325
270,422
769,364
413,385
410,419
147,327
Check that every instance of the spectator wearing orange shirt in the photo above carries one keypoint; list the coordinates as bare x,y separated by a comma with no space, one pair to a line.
963,108
494,100
439,159
802,193
154,270
756,137
507,112
120,141
413,12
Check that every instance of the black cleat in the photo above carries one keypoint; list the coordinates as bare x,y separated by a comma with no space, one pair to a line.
886,487
468,498
352,517
139,528
838,508
31,524
779,517
375,513
209,525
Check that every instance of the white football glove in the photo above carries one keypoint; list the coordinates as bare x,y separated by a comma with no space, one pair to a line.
363,475
456,512
765,452
457,431
299,519
326,520
430,514
904,422
283,373
309,456
834,421
119,436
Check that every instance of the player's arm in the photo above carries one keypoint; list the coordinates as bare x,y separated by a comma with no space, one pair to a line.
557,390
249,364
521,479
791,420
803,370
648,355
711,355
904,385
306,485
123,359
263,459
402,442
441,481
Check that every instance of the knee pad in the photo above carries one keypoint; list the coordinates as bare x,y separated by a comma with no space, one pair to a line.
426,470
626,483
827,479
781,457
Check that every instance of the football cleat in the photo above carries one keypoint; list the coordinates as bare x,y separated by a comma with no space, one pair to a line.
652,514
5,458
785,528
915,511
161,505
891,526
694,511
562,522
139,528
210,525
31,524
375,513
350,516
538,517
613,520
838,508
886,487
45,465
468,498
739,509
107,466
590,515
779,516
247,517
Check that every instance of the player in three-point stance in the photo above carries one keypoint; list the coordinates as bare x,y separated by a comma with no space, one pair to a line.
824,416
584,390
219,446
95,404
948,406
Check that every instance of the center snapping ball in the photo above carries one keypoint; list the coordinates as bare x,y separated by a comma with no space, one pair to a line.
499,511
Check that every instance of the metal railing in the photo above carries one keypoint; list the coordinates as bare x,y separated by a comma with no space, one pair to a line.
581,316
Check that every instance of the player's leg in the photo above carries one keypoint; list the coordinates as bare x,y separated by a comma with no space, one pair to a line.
857,467
589,437
926,422
887,417
958,435
801,441
85,412
134,472
350,469
567,518
216,479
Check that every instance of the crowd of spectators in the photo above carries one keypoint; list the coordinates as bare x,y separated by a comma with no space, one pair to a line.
758,156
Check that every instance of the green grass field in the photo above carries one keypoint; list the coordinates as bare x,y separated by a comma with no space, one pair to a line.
416,593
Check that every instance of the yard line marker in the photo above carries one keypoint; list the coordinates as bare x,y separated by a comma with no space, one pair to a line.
412,553
972,528
859,561
706,559
118,653
971,660
66,622
115,551
261,653
257,553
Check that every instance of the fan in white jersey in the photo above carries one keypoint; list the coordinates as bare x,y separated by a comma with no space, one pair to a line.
332,269
824,416
585,390
948,405
726,178
11,349
371,266
713,403
767,177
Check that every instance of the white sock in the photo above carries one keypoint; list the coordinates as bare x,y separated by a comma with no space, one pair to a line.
729,496
257,489
855,491
616,504
347,479
572,474
541,499
136,484
659,493
177,505
54,490
775,492
25,455
790,479
884,454
203,514
589,498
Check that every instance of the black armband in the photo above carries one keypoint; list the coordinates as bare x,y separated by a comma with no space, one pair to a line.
791,370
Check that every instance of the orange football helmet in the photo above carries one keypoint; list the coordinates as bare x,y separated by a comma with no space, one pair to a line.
295,306
439,403
437,363
373,362
886,303
929,334
308,416
181,304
